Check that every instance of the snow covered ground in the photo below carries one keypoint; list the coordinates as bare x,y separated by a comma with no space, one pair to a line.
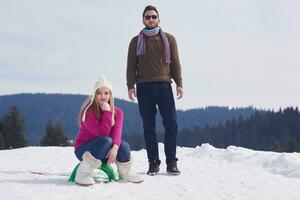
208,173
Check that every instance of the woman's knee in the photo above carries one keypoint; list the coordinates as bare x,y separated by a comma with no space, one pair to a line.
125,146
105,141
98,147
101,147
123,152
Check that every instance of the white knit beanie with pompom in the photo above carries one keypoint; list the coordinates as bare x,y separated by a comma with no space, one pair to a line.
101,83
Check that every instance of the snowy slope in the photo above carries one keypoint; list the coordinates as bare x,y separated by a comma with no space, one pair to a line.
207,173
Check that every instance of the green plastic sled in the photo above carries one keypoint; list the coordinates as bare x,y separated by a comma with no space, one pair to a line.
106,173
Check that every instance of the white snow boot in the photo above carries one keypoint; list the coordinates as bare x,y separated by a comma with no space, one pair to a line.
126,172
86,168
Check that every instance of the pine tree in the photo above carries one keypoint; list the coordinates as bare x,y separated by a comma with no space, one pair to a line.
46,140
54,135
14,129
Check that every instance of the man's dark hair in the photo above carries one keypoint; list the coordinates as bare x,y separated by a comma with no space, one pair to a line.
147,8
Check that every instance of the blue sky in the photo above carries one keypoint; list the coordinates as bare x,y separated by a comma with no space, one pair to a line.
233,53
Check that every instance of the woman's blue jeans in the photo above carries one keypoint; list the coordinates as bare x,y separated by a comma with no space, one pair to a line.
100,147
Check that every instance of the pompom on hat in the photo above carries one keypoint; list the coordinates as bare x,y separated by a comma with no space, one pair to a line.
101,83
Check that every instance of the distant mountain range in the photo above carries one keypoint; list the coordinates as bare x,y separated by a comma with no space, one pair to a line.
38,108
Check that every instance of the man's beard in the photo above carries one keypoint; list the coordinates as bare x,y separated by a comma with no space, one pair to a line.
149,28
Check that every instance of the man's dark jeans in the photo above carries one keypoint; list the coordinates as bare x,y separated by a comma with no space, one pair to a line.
149,95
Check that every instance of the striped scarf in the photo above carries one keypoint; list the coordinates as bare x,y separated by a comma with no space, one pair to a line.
141,50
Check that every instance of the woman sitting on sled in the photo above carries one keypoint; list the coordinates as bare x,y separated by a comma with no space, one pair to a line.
99,137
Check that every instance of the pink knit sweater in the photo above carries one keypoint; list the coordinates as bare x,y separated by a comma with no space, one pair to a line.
93,128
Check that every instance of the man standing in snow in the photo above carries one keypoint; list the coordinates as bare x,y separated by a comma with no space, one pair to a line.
152,62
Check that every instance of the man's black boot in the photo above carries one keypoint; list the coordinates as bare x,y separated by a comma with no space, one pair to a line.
153,168
172,168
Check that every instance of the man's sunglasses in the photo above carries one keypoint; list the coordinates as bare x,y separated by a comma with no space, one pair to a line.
147,17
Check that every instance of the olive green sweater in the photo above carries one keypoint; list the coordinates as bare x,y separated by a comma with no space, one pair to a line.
152,66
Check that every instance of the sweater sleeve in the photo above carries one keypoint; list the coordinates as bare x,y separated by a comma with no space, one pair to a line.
175,63
132,61
96,127
116,132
